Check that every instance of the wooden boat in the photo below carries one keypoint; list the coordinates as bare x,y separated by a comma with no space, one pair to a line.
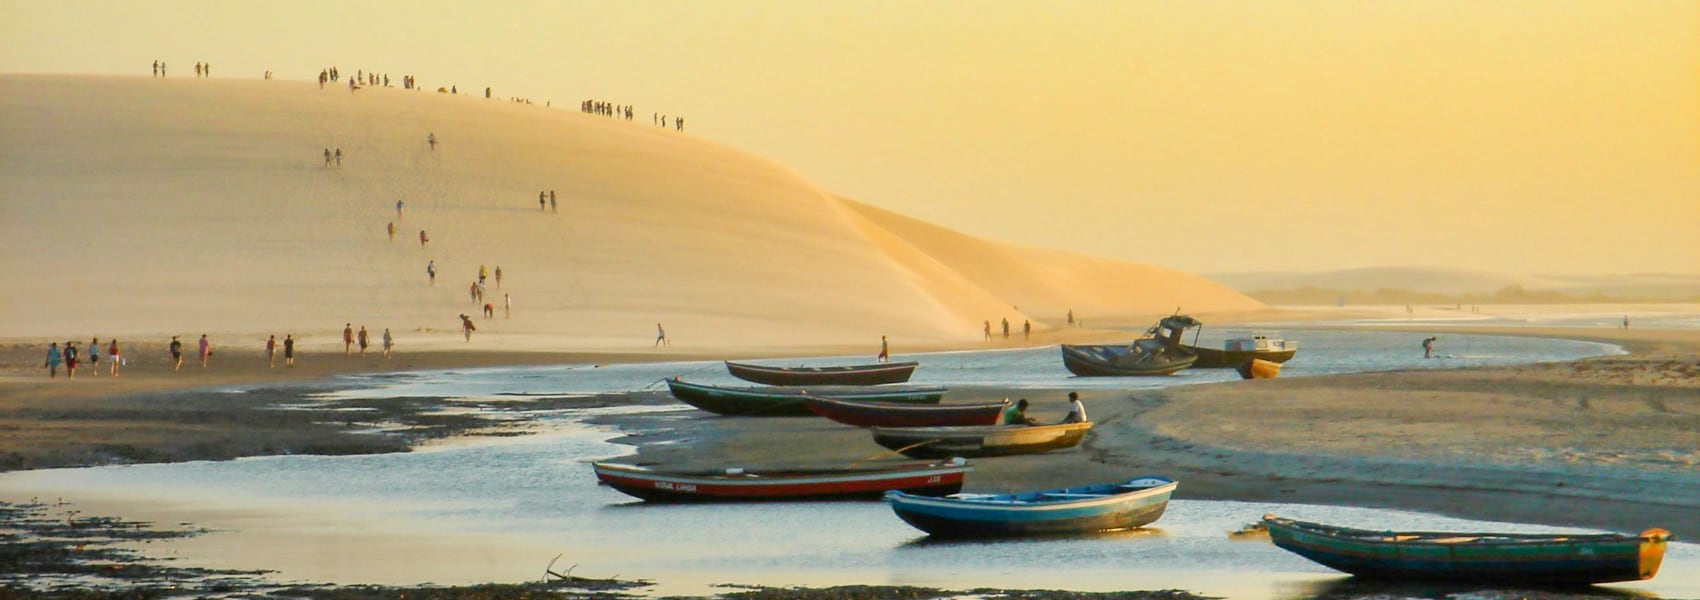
1161,354
894,414
980,440
1500,558
1236,351
789,401
1086,509
735,484
874,374
1258,368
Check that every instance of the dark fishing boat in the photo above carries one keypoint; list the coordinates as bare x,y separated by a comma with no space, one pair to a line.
1499,558
789,401
1236,351
874,374
895,414
737,484
1084,509
980,440
1161,354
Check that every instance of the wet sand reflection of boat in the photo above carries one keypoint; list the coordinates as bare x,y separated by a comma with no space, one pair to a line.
756,484
1498,558
1161,354
982,440
874,374
1236,351
789,401
1082,509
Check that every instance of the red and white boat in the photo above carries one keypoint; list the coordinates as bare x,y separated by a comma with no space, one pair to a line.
736,484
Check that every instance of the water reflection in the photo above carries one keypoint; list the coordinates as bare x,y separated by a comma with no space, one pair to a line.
1355,588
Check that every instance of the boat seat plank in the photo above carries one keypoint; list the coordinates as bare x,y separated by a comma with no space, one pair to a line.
1067,496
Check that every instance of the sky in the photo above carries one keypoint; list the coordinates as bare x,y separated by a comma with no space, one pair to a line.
1524,137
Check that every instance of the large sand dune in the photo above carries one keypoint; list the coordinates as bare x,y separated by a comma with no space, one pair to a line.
145,207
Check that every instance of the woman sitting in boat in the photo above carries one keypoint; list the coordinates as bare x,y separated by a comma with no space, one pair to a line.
1017,415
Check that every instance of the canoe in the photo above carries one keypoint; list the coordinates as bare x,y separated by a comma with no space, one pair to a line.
1258,368
1500,558
874,374
735,484
1086,509
789,401
1136,359
894,414
980,440
1237,351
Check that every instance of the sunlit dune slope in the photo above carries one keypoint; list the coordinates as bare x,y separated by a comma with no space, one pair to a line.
144,207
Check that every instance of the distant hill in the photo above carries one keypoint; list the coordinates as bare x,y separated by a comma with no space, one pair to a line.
1432,284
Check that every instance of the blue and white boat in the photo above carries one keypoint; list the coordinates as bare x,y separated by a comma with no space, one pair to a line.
1085,509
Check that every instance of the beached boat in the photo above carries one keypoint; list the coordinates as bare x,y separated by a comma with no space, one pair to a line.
1085,509
1500,558
980,440
1160,354
789,401
897,414
753,484
874,374
1236,351
1258,368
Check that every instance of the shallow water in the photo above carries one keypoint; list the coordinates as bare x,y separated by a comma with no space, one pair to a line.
497,509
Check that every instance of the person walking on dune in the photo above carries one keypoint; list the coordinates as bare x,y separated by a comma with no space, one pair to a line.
398,205
431,271
423,239
466,326
489,310
661,336
176,349
113,357
339,158
885,351
271,351
206,350
498,276
507,306
542,203
392,231
54,356
431,138
365,340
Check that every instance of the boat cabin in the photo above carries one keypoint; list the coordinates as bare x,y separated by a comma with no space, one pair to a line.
1259,343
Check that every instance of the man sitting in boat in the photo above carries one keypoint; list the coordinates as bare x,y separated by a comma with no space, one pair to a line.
1076,410
1016,415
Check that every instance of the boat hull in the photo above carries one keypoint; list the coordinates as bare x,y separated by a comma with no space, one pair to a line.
654,485
787,402
1134,504
992,440
1258,368
1583,559
1117,361
875,374
887,414
1212,358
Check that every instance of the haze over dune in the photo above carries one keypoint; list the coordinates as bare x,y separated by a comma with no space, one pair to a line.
1436,280
137,206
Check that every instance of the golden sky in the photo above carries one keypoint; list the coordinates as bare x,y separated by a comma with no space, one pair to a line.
1524,137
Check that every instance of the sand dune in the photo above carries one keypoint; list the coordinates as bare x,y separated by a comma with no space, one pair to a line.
146,207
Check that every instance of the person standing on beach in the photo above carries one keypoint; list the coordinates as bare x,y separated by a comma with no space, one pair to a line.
541,198
347,339
364,340
552,201
885,351
339,158
1026,329
113,357
466,326
391,229
327,157
176,354
661,336
206,350
1076,410
1428,347
94,357
1071,317
271,351
289,350
54,357
70,353
507,306
431,138
389,342
155,74
431,270
1626,322
1006,328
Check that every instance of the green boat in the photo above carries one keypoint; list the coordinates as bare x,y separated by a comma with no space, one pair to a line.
786,401
1500,558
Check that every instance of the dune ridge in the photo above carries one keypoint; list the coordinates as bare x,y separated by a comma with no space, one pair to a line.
147,207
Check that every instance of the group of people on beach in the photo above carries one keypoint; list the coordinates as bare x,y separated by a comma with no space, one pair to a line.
546,201
71,358
159,68
349,339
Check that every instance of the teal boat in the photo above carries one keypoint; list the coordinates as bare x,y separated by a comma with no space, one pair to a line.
1500,558
785,401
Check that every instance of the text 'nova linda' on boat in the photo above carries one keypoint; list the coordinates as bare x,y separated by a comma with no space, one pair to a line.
756,484
1085,509
1500,558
